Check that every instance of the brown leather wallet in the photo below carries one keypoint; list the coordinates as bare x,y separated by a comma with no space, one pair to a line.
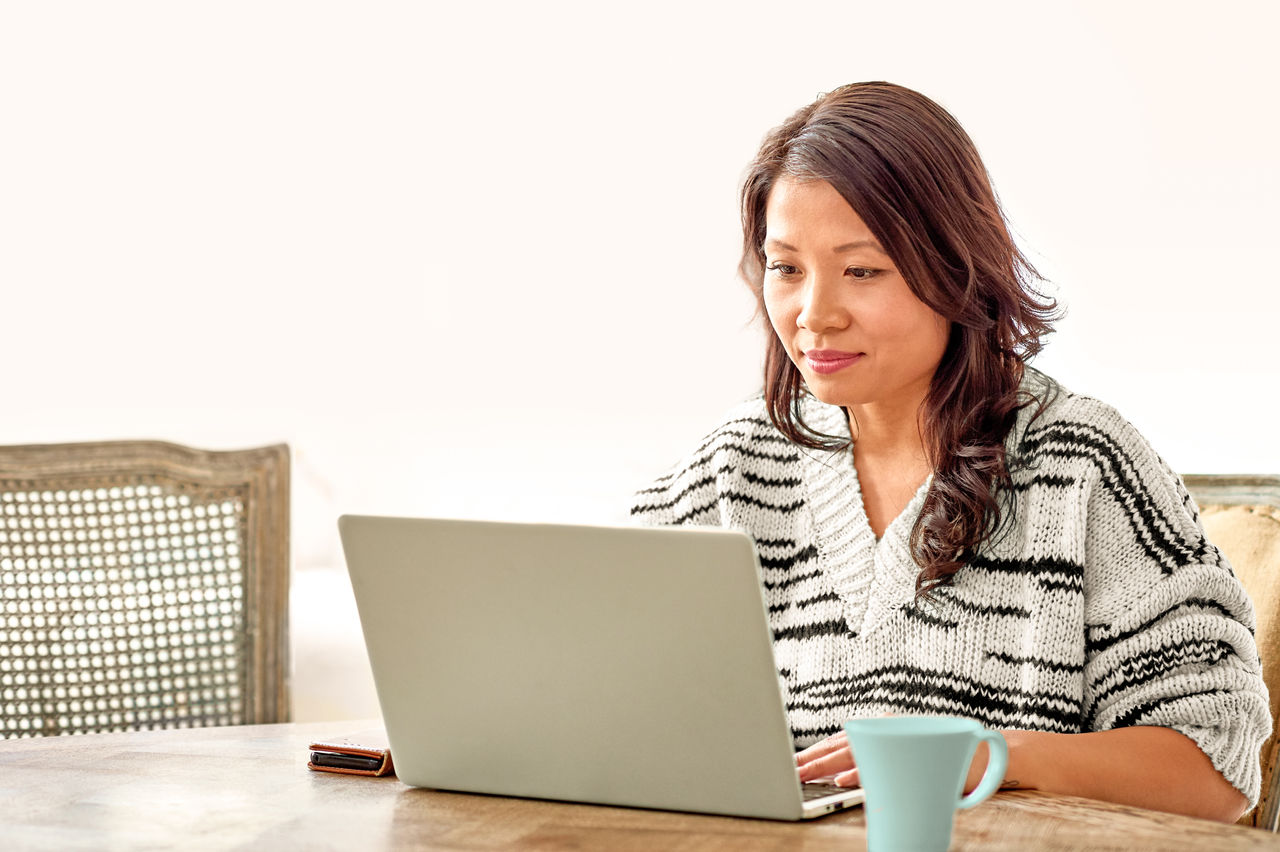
352,756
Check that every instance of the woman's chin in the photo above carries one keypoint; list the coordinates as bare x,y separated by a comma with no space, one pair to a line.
834,393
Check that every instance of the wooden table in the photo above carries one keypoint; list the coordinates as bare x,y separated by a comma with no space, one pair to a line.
248,788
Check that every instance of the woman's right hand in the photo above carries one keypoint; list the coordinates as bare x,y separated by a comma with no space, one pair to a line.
829,757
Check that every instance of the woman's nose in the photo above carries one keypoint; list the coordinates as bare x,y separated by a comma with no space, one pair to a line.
823,307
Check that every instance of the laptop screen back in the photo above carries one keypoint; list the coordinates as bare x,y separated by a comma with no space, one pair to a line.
621,666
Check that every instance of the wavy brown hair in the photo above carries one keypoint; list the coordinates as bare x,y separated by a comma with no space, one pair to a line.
912,174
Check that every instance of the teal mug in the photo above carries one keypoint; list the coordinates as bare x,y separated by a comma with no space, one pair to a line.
912,770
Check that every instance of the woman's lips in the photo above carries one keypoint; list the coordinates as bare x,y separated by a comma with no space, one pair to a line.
825,361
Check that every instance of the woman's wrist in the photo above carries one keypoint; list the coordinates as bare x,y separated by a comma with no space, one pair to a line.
1029,767
1027,764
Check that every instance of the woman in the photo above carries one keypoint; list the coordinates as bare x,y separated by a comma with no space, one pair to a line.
941,529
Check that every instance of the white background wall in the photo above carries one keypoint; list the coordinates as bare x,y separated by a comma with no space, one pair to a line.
477,260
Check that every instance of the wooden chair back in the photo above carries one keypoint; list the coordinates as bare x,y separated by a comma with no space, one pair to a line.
143,585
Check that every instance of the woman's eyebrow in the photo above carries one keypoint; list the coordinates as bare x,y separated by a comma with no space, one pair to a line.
856,244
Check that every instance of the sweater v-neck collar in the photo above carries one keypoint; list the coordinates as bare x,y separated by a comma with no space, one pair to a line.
857,564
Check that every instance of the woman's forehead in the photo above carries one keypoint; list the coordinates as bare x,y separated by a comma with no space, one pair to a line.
804,214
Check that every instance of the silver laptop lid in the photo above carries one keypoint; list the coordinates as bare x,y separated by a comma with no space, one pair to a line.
615,665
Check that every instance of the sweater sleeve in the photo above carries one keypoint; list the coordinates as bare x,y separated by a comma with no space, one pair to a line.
742,461
686,495
1168,627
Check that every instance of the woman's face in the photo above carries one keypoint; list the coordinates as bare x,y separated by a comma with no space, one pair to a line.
846,316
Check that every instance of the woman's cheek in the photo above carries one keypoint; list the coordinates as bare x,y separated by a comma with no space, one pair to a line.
781,317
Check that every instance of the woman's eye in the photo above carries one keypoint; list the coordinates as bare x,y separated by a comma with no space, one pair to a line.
781,269
860,273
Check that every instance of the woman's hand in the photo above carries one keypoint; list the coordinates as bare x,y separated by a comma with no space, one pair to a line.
833,757
830,757
1149,767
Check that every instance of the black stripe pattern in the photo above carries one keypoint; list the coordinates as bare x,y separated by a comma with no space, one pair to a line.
1099,605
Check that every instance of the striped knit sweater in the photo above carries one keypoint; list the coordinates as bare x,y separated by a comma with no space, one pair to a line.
1101,605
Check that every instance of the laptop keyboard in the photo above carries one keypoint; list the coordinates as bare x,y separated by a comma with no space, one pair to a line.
819,789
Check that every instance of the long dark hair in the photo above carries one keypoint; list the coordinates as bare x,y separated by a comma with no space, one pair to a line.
910,171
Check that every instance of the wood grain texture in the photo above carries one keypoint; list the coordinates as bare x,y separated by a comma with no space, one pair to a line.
248,787
1233,489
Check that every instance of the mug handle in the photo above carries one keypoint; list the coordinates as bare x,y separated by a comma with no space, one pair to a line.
997,763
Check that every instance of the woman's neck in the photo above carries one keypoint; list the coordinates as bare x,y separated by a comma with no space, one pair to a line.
892,429
890,457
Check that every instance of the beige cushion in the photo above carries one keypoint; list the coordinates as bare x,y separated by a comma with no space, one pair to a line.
1250,538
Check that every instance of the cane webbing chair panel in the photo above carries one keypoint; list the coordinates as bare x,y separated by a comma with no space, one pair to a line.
1241,516
143,585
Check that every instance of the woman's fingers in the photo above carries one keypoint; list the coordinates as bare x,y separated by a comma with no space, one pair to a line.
829,757
847,779
822,748
831,764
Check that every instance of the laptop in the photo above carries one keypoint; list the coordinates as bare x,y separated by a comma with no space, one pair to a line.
611,665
